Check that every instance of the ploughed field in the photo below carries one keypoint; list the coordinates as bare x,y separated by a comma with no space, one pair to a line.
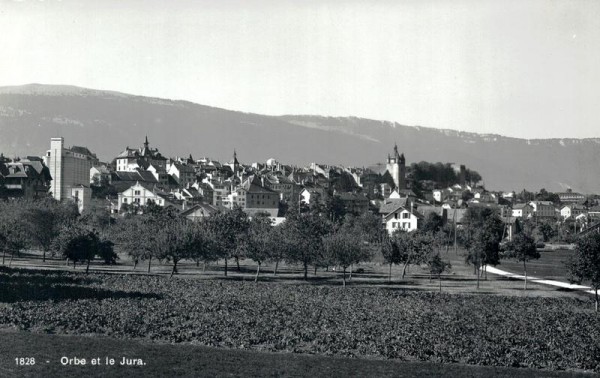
546,333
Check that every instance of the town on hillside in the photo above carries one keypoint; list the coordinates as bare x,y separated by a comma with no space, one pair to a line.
402,195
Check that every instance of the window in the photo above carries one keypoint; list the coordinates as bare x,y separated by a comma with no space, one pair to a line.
405,215
137,192
406,225
124,200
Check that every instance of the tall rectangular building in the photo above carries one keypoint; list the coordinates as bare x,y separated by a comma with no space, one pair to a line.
70,171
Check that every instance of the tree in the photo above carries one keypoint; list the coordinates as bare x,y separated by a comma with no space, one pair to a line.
303,237
139,234
484,246
521,249
437,266
258,242
585,263
391,253
181,239
547,230
345,248
105,250
433,223
45,218
77,243
409,248
227,229
13,227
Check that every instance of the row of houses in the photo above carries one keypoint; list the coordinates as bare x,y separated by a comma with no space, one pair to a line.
199,187
547,210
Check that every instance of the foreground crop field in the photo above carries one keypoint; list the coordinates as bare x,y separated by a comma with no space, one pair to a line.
547,333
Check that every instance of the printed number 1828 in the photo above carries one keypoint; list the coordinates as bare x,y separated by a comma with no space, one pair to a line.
25,361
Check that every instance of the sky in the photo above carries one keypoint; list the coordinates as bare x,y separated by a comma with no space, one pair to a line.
528,69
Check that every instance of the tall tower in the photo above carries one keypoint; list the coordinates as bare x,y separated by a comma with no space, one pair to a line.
54,163
396,166
236,164
70,171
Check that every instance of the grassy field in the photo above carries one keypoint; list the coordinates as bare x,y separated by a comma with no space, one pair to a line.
551,265
459,280
186,360
390,321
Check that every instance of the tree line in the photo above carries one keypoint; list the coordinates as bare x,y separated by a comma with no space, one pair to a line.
309,237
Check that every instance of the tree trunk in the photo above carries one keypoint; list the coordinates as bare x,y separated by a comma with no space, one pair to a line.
67,261
237,262
149,263
257,272
87,268
315,270
225,267
11,259
596,299
74,262
203,266
305,271
350,277
44,255
197,263
276,266
485,271
174,268
390,275
404,269
478,277
3,256
344,278
135,262
440,280
525,270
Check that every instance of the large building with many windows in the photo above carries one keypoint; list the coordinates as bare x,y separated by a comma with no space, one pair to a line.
70,172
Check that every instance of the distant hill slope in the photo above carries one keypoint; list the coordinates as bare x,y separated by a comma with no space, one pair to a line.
107,122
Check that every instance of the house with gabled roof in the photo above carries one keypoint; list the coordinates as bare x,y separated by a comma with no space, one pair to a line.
254,198
572,210
286,188
184,175
29,178
354,203
522,210
399,214
142,194
201,210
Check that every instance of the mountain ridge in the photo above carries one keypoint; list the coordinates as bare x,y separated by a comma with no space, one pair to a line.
108,121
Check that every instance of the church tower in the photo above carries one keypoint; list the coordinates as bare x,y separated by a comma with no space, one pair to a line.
396,166
236,164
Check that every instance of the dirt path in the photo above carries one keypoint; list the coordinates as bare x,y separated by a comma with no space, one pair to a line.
564,285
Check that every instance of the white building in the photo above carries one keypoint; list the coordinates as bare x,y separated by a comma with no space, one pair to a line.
70,171
399,214
139,195
568,211
402,219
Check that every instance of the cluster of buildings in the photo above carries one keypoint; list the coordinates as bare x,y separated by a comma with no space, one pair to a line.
200,187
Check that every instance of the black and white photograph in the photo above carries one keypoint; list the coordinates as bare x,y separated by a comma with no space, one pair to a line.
299,188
